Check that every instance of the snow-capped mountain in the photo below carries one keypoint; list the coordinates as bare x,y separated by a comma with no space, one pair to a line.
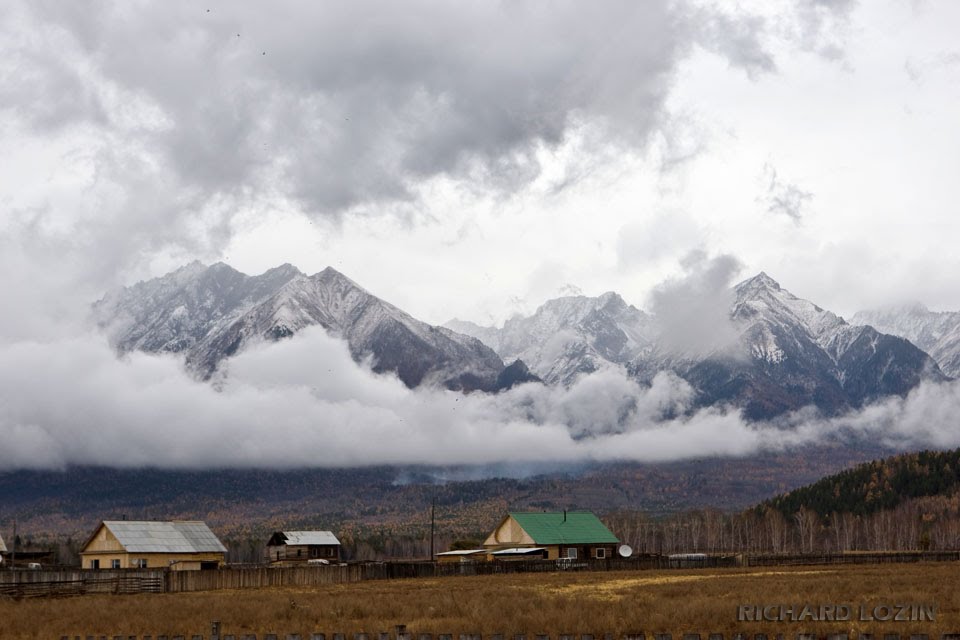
211,313
793,354
936,332
569,336
779,352
785,353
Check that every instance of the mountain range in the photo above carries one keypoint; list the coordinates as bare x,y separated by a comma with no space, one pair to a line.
786,352
936,332
780,352
210,313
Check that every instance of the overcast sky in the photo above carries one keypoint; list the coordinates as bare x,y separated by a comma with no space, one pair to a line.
474,159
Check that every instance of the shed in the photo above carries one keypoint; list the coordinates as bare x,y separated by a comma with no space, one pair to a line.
463,555
521,553
140,544
563,534
299,547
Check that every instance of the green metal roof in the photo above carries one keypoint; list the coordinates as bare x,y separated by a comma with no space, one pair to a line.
577,527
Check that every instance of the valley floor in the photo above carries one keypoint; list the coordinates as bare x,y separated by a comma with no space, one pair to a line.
678,601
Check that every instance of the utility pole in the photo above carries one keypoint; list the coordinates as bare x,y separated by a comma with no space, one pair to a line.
433,506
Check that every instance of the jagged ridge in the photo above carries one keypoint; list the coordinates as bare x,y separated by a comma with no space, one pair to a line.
211,313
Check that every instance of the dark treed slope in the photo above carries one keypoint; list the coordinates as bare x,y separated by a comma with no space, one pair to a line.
877,485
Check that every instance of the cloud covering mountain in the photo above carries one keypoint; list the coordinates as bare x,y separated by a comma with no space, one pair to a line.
459,157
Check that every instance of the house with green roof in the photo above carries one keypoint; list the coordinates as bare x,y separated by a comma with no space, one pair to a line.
552,535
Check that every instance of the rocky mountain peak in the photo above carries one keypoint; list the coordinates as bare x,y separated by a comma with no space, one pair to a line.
757,285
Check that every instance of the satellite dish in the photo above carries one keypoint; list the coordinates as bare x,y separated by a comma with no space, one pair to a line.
625,551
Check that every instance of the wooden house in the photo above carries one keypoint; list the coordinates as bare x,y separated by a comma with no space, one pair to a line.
3,550
577,535
137,544
303,547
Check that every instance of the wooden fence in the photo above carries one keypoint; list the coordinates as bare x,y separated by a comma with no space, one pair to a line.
22,584
851,558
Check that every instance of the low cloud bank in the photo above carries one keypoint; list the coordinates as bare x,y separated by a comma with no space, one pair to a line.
304,402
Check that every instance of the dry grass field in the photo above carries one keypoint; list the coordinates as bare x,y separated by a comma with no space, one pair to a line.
678,601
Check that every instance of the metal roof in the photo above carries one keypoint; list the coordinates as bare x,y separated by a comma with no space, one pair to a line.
140,536
464,552
518,551
557,527
310,537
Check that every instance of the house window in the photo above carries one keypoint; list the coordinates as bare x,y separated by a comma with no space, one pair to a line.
94,564
115,564
314,552
601,553
140,563
299,552
571,552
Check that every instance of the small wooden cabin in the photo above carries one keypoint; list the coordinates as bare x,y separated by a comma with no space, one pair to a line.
577,535
302,547
139,544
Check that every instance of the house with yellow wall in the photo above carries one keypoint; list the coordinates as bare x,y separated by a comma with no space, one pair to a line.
551,535
139,544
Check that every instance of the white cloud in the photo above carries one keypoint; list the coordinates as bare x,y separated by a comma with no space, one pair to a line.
450,158
304,402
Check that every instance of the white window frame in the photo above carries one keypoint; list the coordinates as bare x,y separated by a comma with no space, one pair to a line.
572,553
140,563
600,553
115,563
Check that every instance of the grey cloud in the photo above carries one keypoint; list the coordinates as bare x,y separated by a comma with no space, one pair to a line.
346,104
692,312
738,38
783,198
823,26
182,118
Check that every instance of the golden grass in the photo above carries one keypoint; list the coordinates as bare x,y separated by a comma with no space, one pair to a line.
696,600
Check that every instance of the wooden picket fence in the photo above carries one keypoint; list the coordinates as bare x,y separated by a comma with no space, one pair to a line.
73,582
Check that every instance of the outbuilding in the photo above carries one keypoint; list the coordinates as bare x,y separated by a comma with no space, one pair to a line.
139,544
463,555
303,547
552,535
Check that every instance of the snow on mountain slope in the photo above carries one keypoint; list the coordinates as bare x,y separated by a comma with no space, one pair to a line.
210,313
787,353
569,336
936,332
799,354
